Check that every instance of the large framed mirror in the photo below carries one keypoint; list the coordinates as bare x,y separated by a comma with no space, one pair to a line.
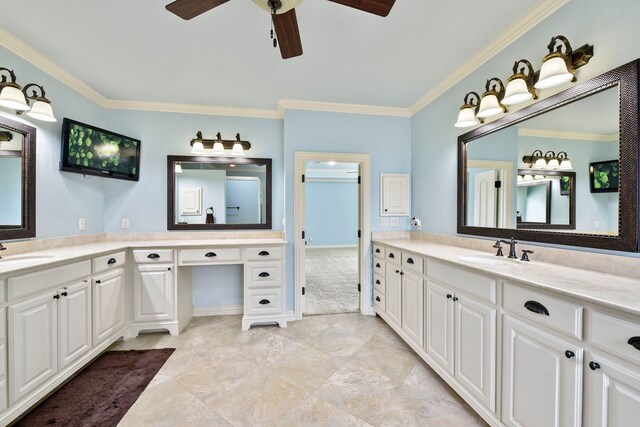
563,170
218,193
17,180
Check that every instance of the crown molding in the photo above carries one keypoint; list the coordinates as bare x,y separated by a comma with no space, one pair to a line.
558,134
210,110
532,18
333,107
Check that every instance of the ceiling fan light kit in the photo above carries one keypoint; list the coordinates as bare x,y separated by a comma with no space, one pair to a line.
283,16
558,67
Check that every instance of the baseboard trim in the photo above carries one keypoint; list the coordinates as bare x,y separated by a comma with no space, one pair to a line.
223,310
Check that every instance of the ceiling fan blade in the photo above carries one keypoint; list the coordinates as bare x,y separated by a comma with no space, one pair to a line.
187,9
377,7
286,25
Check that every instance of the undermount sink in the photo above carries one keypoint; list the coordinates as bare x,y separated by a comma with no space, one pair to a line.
483,259
25,258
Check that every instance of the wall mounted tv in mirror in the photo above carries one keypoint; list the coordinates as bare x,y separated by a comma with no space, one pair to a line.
213,193
17,180
530,174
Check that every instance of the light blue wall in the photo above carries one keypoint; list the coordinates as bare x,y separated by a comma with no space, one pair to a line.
61,198
212,185
332,213
611,27
10,190
217,286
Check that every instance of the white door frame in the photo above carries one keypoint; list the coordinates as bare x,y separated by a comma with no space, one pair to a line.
505,193
364,160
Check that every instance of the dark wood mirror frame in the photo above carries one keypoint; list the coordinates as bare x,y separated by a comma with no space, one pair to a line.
572,201
626,77
28,227
171,220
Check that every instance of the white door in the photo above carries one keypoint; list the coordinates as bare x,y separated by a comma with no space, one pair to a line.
541,386
613,393
153,293
191,201
393,295
395,194
475,348
439,325
484,202
413,307
74,322
32,344
108,306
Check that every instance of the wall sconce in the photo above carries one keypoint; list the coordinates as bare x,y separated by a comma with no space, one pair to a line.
548,161
16,98
467,116
218,146
520,87
490,103
178,167
560,67
565,163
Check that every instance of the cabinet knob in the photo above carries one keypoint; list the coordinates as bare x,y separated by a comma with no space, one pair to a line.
111,261
397,271
378,299
169,269
210,254
569,354
594,365
98,281
455,298
449,296
264,253
56,296
264,302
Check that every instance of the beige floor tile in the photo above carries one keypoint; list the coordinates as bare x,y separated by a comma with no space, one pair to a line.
386,359
390,337
306,367
422,377
315,412
306,329
339,342
268,349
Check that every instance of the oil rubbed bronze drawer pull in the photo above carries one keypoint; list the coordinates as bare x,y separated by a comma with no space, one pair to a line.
378,250
634,342
536,307
264,302
392,256
153,256
378,299
264,274
410,261
111,261
264,253
210,254
377,281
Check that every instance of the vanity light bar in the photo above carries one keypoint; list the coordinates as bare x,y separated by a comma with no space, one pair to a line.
14,97
219,146
558,67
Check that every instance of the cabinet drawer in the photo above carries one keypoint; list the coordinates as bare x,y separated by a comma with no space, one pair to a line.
265,253
471,283
108,262
141,256
379,300
261,302
35,283
263,275
378,251
413,262
614,335
394,256
210,256
378,284
545,309
379,266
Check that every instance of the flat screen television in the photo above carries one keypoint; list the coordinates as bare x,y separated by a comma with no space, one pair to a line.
90,150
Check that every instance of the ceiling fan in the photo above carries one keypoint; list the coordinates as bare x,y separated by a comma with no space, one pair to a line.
283,16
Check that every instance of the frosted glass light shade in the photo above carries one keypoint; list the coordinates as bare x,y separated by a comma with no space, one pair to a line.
466,118
197,148
553,73
553,163
566,164
489,106
41,110
12,97
528,178
178,168
218,148
517,92
237,149
541,163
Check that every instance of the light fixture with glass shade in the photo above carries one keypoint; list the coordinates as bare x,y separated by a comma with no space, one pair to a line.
467,115
219,147
559,67
536,160
238,149
520,87
41,108
490,102
11,95
552,160
565,163
178,167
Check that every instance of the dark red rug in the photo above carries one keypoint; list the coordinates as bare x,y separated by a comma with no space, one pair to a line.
103,392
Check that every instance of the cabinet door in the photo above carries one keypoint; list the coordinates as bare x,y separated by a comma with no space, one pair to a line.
395,195
475,348
394,294
439,325
32,344
74,322
613,394
108,306
413,307
541,385
153,293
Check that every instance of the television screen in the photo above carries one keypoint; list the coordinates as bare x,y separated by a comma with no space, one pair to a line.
603,176
90,150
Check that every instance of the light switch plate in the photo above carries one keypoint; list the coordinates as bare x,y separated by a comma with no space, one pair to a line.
395,222
384,222
125,223
82,224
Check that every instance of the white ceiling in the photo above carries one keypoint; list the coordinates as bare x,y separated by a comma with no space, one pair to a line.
136,50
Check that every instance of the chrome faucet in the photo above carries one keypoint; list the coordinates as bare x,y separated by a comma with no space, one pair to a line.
512,248
2,248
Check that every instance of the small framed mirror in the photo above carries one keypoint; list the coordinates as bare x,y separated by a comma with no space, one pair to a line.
218,193
17,180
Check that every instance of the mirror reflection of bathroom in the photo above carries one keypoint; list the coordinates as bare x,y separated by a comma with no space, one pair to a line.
332,206
10,178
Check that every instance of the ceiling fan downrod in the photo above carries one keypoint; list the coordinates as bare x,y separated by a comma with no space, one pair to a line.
275,5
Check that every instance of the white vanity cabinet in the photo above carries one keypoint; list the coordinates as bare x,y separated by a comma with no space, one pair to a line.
393,296
153,293
74,322
264,286
108,304
395,194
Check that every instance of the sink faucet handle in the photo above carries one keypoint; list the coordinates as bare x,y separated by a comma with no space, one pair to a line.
525,254
499,248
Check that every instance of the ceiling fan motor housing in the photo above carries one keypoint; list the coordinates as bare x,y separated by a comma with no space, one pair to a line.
281,6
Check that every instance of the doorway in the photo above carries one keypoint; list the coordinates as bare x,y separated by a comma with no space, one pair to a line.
332,226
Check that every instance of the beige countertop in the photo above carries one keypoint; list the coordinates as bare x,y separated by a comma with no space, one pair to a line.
19,263
617,292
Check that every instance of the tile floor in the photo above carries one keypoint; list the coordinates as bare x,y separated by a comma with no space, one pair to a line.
334,370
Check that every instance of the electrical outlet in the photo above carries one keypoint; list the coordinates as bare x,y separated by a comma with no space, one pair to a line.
125,223
384,222
395,222
82,224
596,224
